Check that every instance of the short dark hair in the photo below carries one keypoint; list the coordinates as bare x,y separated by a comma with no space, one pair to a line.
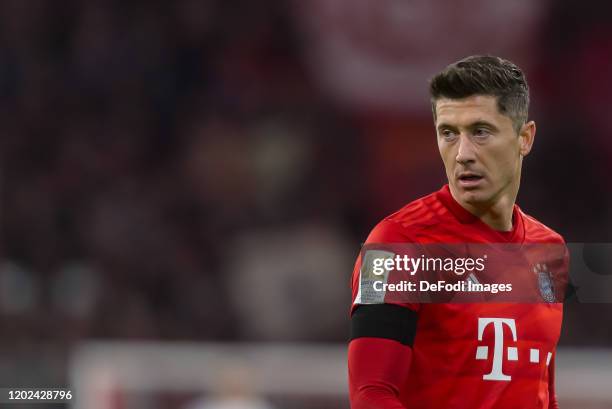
484,75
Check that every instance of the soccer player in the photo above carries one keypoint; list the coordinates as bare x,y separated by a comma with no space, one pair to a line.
477,355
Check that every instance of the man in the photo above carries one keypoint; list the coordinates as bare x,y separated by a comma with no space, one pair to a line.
478,355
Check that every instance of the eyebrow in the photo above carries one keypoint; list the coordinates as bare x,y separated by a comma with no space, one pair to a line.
485,124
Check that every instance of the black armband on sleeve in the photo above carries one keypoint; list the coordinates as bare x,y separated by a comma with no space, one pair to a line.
384,321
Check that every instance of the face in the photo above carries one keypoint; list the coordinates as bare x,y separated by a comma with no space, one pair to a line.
481,150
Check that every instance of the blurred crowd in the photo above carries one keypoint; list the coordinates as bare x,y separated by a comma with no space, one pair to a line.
174,171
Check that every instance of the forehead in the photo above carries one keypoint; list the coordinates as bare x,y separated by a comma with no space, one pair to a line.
468,110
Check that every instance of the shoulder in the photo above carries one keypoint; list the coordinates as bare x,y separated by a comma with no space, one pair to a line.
406,223
538,232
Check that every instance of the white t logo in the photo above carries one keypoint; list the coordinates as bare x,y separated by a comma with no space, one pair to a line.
482,352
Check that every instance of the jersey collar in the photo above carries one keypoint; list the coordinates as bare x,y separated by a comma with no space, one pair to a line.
463,216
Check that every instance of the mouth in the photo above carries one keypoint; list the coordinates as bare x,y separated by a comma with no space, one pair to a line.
469,179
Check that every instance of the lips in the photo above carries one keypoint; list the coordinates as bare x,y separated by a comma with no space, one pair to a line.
469,176
470,179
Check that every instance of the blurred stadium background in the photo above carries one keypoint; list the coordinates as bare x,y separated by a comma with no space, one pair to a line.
192,179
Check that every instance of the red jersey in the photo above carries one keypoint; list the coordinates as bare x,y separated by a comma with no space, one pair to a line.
475,355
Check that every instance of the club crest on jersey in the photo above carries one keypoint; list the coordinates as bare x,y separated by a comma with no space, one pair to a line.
545,283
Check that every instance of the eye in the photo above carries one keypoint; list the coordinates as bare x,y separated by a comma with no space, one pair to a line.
482,132
447,134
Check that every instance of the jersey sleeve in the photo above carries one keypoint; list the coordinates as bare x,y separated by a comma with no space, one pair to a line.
380,350
385,232
377,371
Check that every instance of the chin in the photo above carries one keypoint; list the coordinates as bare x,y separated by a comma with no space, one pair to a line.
477,196
474,197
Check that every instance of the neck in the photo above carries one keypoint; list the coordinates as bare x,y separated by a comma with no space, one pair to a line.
497,213
498,216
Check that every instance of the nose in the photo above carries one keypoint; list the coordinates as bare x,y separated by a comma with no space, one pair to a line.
465,150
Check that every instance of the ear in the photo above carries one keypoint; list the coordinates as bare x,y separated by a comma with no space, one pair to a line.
526,138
